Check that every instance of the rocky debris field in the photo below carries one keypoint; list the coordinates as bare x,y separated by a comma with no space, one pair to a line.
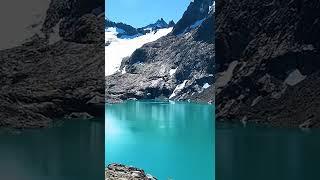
121,172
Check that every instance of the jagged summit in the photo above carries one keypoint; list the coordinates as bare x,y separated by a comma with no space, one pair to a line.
127,31
171,23
196,13
161,23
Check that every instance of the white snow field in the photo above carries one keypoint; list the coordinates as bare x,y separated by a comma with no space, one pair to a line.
120,48
178,89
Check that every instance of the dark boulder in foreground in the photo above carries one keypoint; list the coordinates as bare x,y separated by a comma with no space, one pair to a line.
118,172
268,64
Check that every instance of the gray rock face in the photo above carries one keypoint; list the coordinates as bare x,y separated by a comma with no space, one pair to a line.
86,29
41,81
78,20
171,23
175,67
118,172
197,10
129,30
159,24
270,50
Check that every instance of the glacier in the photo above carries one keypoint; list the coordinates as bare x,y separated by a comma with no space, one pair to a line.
120,48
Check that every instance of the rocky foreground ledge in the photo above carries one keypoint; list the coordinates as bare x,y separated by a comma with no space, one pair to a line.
42,80
122,172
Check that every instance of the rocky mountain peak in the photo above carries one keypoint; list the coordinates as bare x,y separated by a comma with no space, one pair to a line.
196,12
171,23
161,23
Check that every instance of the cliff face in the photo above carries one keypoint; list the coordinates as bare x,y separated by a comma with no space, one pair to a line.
41,80
197,10
268,62
176,66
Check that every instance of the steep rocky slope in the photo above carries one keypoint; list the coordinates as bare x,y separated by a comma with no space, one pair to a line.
178,66
268,62
41,81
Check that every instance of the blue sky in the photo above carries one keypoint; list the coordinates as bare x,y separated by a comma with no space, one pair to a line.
139,13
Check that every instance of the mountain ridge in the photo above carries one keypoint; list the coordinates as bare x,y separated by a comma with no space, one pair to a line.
129,30
176,66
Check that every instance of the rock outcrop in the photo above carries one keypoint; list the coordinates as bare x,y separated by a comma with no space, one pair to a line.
196,11
41,81
127,29
178,67
117,172
268,56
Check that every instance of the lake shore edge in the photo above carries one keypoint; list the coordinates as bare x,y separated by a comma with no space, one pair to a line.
119,171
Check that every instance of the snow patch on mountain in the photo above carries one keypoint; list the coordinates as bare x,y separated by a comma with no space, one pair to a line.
206,86
294,78
178,89
196,24
115,30
121,48
172,71
54,35
224,77
130,37
191,27
212,8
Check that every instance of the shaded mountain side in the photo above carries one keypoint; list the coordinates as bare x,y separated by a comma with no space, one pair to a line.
129,30
175,67
207,95
197,10
40,82
268,62
77,20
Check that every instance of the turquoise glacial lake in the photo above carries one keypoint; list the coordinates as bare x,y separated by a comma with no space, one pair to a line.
74,149
264,153
170,140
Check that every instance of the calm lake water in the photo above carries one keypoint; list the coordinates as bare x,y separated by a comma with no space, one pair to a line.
259,153
168,140
73,150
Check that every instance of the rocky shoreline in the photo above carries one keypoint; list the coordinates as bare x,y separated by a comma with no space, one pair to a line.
122,172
